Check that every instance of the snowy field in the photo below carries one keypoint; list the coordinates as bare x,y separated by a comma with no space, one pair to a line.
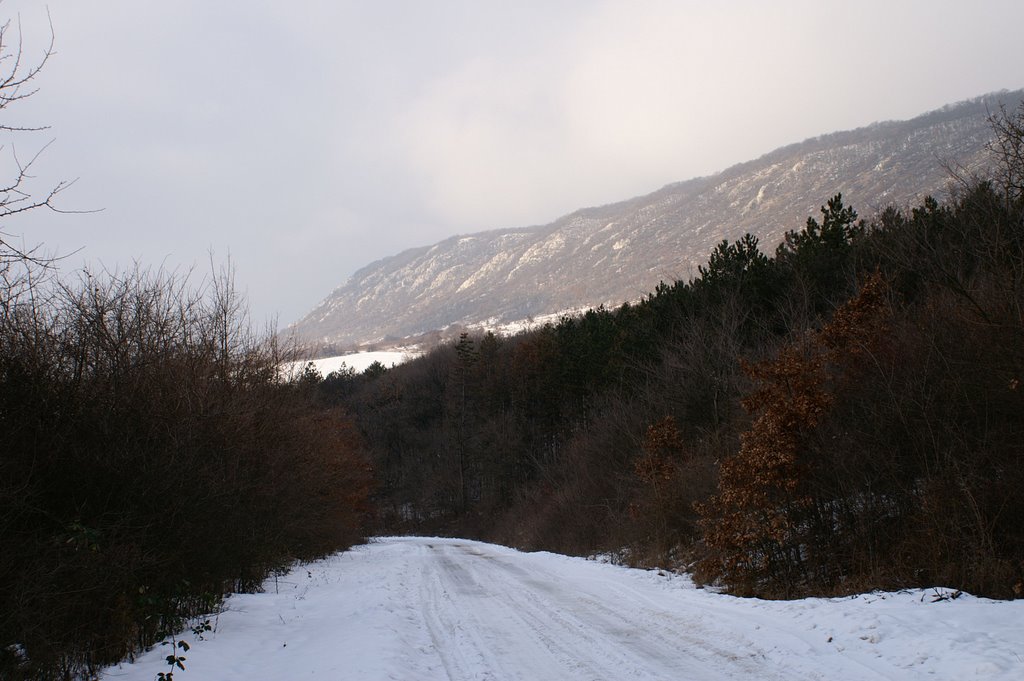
357,361
421,609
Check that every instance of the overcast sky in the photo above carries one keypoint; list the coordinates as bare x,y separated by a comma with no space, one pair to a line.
308,138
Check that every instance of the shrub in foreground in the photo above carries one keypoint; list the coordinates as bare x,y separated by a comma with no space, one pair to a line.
153,459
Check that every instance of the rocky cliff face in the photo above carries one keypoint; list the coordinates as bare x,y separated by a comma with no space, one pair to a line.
619,252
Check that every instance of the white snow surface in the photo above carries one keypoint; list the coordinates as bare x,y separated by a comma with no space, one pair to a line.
420,609
356,361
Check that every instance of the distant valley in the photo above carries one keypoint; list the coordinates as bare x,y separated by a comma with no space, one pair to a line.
615,253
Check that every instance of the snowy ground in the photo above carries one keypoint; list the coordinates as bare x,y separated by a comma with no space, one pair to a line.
421,609
356,361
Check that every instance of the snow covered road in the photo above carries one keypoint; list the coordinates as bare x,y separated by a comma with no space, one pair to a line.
421,609
495,616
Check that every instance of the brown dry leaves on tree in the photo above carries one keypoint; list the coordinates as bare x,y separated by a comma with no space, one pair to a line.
662,450
657,509
755,527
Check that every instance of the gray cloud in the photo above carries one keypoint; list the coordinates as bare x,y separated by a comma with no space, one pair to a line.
309,138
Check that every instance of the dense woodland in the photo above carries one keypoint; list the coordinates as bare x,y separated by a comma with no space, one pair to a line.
844,414
153,460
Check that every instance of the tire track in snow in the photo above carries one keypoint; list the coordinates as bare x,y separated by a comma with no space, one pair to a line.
650,643
493,619
480,636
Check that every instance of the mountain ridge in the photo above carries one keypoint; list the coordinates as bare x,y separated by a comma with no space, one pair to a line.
619,251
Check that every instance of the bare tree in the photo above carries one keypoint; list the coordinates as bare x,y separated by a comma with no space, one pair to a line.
18,82
1007,148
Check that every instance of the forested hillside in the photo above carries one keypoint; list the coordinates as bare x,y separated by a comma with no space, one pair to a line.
841,414
615,253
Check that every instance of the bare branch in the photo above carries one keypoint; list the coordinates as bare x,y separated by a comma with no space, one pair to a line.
17,78
1007,149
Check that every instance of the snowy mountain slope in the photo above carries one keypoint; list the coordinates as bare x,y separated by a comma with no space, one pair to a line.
619,252
422,609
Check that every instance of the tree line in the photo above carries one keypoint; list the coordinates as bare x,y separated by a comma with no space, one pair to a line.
154,459
842,414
